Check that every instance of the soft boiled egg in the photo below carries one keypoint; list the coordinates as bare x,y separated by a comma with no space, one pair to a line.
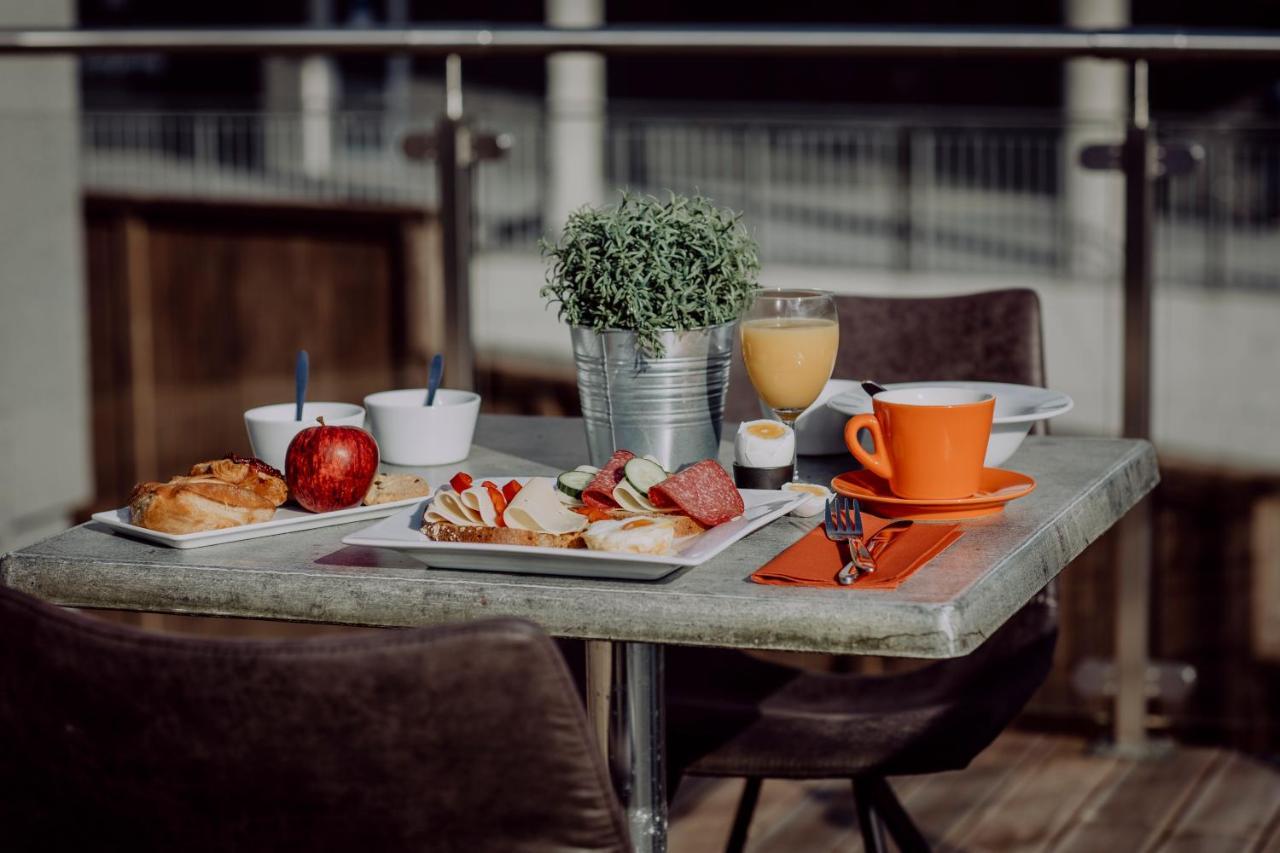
764,444
815,501
640,535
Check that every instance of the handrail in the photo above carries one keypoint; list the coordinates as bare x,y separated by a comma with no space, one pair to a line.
1011,42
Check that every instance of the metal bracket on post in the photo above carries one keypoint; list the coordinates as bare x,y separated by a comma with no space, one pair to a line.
456,148
1141,161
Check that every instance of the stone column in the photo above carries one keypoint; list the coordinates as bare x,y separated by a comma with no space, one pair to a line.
399,68
299,96
575,118
1095,102
44,412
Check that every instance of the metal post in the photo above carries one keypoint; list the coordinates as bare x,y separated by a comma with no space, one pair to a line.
1133,547
904,204
454,160
1218,185
631,711
599,665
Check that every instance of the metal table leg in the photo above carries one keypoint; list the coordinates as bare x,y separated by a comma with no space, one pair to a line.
625,701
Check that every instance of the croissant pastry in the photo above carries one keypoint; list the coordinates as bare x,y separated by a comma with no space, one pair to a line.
247,473
193,504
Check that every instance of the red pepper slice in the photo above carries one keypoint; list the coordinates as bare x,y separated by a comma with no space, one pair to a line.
591,512
510,490
461,481
499,502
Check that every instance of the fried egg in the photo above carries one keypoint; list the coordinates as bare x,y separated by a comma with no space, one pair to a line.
815,501
764,444
640,535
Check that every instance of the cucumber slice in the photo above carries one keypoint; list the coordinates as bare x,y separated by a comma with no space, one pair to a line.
566,500
643,474
657,462
572,483
590,469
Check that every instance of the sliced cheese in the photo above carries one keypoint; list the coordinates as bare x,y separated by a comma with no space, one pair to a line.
633,500
536,507
448,506
478,501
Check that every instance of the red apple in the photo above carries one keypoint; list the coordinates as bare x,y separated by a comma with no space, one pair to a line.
330,467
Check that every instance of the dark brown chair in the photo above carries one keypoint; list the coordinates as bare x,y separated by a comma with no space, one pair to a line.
730,714
467,737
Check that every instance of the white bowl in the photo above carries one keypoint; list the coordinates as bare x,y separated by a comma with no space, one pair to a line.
410,433
1018,407
271,428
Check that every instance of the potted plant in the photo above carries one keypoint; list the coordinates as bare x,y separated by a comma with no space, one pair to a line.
652,291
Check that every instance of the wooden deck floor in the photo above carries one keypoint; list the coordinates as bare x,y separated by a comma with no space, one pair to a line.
1026,792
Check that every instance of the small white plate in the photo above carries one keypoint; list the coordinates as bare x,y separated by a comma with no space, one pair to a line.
1014,403
403,532
288,519
1018,407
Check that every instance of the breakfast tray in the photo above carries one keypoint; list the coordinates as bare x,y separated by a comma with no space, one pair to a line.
402,532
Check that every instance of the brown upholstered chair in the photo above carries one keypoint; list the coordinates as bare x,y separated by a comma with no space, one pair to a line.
467,737
730,714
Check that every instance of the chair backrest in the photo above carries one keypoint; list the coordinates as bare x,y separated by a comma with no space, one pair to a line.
993,336
467,737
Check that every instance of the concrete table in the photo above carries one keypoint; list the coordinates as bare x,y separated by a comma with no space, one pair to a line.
946,610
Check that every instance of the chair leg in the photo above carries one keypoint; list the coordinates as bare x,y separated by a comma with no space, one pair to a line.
905,833
872,835
742,817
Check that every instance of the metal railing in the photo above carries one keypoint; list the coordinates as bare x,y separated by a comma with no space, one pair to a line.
980,195
1130,45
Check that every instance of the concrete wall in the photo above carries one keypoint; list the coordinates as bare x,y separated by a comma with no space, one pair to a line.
44,404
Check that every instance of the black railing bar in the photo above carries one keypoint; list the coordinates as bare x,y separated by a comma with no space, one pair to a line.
1008,42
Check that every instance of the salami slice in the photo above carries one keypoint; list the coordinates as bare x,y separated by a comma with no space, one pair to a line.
599,493
703,491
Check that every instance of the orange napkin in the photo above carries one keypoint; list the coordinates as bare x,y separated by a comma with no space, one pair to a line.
815,559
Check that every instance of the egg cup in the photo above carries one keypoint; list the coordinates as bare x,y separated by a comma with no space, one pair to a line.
761,478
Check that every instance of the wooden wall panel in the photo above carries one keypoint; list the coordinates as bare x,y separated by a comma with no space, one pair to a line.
199,309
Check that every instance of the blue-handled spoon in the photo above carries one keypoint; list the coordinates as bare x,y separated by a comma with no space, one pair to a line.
434,374
301,370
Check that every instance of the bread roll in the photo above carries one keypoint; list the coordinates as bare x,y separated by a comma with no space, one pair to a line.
395,487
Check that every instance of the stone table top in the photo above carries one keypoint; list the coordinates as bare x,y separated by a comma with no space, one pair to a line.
945,610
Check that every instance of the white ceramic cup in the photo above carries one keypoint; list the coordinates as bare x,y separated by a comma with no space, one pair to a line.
271,428
410,433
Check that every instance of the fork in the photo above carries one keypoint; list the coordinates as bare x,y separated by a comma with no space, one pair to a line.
840,526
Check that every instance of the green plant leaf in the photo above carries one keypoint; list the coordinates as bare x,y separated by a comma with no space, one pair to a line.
649,265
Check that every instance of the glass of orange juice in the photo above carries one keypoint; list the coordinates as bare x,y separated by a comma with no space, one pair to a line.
789,343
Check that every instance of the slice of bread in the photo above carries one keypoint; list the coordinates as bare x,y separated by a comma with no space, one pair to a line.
444,531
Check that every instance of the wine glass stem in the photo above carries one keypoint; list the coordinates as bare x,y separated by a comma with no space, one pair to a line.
790,418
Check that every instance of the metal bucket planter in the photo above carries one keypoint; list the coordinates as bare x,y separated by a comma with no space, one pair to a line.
671,408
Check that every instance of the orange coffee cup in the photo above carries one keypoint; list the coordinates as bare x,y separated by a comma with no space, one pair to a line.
929,442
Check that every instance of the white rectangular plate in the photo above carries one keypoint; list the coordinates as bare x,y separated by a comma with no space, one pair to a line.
288,519
403,532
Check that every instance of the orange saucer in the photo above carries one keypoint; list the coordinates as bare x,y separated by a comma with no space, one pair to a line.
996,488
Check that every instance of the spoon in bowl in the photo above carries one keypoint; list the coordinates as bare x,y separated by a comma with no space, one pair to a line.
301,369
434,375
